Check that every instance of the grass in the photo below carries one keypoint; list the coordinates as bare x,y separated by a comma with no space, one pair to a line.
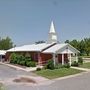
1,86
51,74
85,65
85,56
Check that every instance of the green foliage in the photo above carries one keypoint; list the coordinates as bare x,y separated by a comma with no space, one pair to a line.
80,60
13,58
58,66
76,64
38,69
50,65
6,43
83,46
67,65
39,42
2,86
22,63
30,64
21,60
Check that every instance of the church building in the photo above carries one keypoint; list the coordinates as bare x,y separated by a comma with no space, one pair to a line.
52,49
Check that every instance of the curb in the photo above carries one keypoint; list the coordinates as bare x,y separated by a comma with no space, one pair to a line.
18,68
70,76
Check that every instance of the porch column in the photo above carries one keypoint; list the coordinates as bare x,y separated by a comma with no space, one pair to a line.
76,58
62,59
0,58
54,59
39,59
70,59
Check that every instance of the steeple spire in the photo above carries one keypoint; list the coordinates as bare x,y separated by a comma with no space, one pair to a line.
52,29
52,34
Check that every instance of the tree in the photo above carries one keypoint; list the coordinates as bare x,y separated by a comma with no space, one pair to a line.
83,45
74,43
39,42
6,43
67,41
87,45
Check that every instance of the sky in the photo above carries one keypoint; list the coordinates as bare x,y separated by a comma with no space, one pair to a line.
28,21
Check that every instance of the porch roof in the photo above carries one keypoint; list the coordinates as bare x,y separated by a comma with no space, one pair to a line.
61,49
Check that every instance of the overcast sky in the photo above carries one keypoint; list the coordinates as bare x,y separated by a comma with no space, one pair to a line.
27,21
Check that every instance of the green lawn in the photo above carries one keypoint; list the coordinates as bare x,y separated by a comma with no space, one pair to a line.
85,65
85,56
51,74
1,86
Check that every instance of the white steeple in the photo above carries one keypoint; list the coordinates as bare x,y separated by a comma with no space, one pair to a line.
52,29
52,34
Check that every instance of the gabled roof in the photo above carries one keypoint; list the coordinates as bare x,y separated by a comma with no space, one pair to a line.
61,48
54,48
32,47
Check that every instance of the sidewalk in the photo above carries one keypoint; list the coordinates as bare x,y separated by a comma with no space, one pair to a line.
79,68
28,69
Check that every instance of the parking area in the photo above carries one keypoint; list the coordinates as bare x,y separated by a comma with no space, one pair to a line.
8,72
79,82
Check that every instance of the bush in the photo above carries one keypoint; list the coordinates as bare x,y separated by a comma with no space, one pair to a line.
13,58
80,60
28,59
30,64
20,59
76,64
50,65
67,65
38,69
22,63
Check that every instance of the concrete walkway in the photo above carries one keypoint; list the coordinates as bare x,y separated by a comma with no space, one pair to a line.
28,69
79,68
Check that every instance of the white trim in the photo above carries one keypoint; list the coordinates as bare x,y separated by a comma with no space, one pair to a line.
70,59
73,48
54,59
76,58
39,59
62,59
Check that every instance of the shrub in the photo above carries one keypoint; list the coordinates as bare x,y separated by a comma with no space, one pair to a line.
22,63
76,64
13,58
38,69
50,65
28,59
80,60
30,64
45,66
20,59
67,65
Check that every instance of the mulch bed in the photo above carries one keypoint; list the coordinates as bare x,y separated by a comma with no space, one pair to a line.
24,80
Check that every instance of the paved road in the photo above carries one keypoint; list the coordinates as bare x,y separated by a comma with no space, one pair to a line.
81,82
8,72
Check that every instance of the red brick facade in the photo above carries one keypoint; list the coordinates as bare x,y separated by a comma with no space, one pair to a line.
40,58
